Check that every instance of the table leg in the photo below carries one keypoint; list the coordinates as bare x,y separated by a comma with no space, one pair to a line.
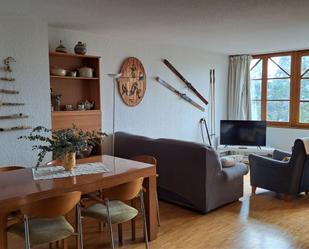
151,207
3,233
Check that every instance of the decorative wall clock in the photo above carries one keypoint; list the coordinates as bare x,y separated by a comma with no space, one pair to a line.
132,83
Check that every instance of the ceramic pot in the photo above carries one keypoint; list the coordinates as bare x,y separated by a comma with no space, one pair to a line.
61,48
69,161
85,72
58,71
81,107
56,102
69,107
88,105
85,153
72,73
80,48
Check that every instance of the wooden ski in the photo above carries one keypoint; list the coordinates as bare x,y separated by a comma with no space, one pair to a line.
181,95
188,84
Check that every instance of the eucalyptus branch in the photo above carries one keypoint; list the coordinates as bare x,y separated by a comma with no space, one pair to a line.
62,141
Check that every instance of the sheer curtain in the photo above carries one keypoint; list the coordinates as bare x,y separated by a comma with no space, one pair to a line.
239,100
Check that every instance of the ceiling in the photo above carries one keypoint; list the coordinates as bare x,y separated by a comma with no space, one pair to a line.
225,26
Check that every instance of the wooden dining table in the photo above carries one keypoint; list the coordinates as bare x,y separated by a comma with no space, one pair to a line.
18,188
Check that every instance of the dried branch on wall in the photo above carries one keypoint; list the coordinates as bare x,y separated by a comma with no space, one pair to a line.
8,91
14,116
10,104
7,79
15,128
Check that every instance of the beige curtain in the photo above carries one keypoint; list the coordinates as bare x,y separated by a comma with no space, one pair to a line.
239,100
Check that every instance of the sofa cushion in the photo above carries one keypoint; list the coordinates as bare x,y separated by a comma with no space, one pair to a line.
235,172
227,161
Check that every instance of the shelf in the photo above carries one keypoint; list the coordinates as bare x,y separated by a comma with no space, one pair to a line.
73,78
75,90
72,55
76,113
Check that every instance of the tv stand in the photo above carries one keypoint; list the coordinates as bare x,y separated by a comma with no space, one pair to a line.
242,147
244,151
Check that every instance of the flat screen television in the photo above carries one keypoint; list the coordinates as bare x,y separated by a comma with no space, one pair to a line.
243,132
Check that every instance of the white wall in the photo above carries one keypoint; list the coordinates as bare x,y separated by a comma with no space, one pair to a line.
161,113
25,39
283,138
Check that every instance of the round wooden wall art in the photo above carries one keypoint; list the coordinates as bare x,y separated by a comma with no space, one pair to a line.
132,83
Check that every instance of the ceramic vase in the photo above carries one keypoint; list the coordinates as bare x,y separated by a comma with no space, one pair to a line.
69,161
80,48
61,48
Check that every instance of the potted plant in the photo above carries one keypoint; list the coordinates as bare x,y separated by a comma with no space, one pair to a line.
63,143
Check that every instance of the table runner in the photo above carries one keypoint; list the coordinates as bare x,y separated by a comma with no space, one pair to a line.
52,172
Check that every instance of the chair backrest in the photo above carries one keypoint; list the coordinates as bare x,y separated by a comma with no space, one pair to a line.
297,161
56,162
52,207
10,168
124,192
145,159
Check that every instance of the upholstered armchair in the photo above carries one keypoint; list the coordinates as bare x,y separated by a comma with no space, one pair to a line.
278,175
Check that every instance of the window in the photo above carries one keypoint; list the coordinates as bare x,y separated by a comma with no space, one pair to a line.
280,89
304,90
256,88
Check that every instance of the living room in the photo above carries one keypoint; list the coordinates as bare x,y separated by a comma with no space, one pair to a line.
73,62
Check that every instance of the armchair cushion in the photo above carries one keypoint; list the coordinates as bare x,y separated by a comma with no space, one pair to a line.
238,170
44,230
119,212
280,154
265,162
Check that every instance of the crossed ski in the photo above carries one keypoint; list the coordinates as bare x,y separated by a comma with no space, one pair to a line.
181,95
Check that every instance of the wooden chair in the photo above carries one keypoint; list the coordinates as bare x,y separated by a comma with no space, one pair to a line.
84,198
14,216
150,160
113,210
44,220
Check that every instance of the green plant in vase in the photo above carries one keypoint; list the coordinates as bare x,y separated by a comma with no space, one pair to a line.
64,144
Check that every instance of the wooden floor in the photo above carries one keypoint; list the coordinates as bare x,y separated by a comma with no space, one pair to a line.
263,221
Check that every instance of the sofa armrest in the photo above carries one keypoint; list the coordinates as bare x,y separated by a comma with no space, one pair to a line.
234,172
265,162
280,154
264,170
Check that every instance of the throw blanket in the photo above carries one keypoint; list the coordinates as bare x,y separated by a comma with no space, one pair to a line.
306,144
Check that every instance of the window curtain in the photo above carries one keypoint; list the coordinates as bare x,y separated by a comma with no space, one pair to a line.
239,100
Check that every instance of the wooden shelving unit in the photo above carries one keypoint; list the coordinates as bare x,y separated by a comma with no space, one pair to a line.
75,90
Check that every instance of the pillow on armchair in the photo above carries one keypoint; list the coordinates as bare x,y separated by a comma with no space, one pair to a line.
227,161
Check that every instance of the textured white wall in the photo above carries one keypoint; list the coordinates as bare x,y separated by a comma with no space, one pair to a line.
161,113
283,139
25,39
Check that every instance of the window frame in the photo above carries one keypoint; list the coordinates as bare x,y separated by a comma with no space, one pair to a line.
295,84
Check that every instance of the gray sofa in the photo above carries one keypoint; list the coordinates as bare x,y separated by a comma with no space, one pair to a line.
190,174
